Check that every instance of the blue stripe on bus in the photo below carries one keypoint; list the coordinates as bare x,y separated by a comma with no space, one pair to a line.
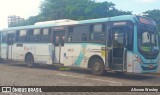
81,55
84,43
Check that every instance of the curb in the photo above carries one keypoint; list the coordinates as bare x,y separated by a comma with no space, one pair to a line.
158,73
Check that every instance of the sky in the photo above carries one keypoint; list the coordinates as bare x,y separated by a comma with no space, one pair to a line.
136,6
22,8
27,8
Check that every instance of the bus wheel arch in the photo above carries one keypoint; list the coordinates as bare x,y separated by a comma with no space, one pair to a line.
29,59
94,62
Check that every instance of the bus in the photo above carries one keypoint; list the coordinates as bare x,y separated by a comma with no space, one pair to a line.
126,43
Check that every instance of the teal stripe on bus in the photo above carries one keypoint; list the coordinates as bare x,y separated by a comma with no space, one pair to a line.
81,55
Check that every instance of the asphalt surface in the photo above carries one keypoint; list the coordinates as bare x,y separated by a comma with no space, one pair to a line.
18,74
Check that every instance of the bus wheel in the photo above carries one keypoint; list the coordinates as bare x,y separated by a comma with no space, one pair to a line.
30,61
97,67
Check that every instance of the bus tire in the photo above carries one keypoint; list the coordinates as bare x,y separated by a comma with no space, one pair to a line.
30,60
97,67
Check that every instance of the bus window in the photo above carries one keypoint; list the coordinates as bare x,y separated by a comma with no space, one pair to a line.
10,39
84,37
59,37
118,35
70,33
97,32
23,33
147,40
79,31
121,36
45,31
97,28
57,40
46,35
130,39
17,36
30,36
36,31
37,35
4,37
23,36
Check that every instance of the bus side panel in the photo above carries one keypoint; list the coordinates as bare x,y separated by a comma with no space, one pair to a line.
71,53
62,55
79,54
136,65
129,61
4,50
94,49
43,53
20,50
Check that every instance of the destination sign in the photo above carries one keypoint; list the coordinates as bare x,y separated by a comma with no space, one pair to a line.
146,21
119,23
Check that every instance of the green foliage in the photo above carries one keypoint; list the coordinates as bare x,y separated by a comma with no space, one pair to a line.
73,9
78,9
155,14
30,21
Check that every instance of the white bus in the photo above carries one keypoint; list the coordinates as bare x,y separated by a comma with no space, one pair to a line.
125,43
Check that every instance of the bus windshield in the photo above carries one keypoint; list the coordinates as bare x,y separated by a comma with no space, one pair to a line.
148,40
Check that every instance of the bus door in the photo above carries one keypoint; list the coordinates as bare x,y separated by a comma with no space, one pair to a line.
118,52
10,42
58,42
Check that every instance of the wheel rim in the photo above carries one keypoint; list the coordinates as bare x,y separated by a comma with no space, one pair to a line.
97,66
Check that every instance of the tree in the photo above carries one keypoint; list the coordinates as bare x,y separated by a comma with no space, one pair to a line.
155,14
78,9
73,9
30,21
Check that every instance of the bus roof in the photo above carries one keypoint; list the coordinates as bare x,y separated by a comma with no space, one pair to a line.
115,18
45,25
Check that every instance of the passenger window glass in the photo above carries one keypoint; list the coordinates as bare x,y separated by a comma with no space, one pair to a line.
97,32
23,32
97,28
23,36
45,31
120,37
70,33
36,31
46,37
84,37
4,38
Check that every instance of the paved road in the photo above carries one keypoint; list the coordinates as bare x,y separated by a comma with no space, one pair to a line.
18,74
